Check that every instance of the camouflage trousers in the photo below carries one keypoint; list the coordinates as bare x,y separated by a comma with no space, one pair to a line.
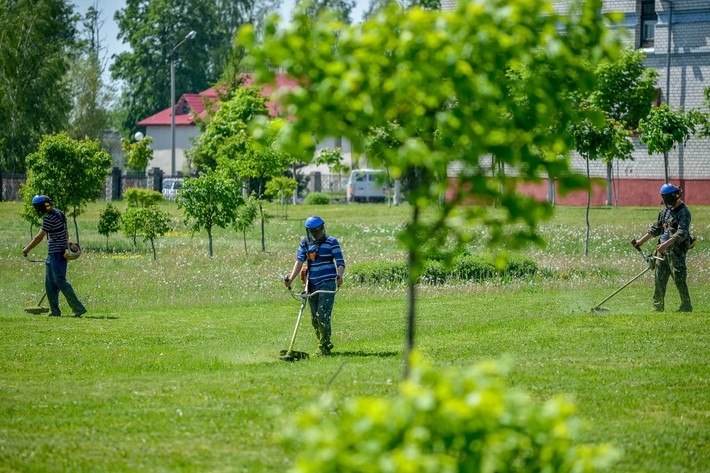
321,306
673,264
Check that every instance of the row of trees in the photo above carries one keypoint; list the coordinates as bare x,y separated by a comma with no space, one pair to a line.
53,60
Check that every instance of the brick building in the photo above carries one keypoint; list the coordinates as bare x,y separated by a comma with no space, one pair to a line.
650,24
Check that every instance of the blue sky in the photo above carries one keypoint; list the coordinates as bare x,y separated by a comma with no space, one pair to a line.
109,29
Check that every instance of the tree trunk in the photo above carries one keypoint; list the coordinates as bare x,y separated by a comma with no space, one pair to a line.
76,229
589,198
263,238
609,182
411,295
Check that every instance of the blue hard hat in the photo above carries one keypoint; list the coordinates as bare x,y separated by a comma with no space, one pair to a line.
314,222
42,204
668,189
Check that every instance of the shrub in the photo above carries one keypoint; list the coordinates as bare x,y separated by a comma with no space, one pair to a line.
378,272
136,197
434,273
465,268
109,221
445,421
317,198
476,268
521,266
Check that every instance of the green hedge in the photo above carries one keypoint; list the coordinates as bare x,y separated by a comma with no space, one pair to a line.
465,268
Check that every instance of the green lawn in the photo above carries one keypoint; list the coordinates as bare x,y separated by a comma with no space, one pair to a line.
175,368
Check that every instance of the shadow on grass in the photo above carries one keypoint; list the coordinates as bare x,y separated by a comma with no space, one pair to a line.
100,317
382,354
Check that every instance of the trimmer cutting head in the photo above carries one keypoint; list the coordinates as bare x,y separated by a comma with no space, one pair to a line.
38,309
293,355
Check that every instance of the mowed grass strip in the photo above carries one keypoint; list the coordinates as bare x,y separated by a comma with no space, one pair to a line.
175,367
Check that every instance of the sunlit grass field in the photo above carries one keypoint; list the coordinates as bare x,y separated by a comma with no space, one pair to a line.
175,367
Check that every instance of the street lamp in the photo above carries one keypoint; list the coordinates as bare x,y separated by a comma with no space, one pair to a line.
190,35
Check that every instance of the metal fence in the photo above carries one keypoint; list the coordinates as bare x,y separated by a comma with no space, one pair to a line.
116,184
10,186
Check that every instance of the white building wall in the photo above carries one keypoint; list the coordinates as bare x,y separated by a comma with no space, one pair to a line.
162,151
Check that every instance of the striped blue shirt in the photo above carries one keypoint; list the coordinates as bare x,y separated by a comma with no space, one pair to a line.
328,258
55,224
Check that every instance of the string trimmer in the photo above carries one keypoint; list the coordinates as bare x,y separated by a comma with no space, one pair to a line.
37,309
290,354
650,259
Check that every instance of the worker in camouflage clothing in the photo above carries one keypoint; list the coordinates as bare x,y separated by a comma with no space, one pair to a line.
673,227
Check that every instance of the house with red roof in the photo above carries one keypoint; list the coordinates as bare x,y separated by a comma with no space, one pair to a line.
158,127
190,106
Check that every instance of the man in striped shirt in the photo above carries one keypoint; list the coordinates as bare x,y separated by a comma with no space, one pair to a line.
325,268
54,225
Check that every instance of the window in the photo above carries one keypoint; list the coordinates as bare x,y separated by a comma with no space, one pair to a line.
648,22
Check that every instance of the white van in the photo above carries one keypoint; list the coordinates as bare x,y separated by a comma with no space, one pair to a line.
171,185
367,185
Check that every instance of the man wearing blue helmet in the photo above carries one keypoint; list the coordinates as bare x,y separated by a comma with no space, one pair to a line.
673,228
54,226
324,269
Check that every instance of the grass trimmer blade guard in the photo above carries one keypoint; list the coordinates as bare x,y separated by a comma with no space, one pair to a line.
38,309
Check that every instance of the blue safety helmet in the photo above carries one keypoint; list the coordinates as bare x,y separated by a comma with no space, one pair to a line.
671,194
314,222
42,204
315,229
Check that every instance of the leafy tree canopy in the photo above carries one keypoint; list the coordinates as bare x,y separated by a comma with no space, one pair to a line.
664,128
341,8
35,38
224,134
152,29
138,153
72,173
210,200
626,88
91,98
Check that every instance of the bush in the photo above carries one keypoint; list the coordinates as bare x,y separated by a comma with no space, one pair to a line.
465,268
136,197
317,198
521,266
473,268
378,272
434,273
447,420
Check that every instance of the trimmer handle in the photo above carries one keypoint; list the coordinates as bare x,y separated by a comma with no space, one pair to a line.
635,244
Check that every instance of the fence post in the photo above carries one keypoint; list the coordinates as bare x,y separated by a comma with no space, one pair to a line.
115,183
155,179
316,185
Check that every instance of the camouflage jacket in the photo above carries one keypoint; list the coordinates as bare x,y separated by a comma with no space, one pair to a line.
673,223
